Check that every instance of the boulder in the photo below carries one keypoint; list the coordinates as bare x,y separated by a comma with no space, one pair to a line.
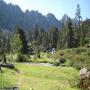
59,61
84,83
83,71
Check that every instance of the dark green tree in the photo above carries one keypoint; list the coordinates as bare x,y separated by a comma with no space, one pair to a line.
35,32
62,37
53,36
70,35
1,40
19,42
60,40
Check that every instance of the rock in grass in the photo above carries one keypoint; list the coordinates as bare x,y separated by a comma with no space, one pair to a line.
84,79
59,61
83,71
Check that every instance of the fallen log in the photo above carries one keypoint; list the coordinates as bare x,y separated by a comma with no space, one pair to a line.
10,66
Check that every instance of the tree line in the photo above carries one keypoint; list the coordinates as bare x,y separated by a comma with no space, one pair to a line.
70,36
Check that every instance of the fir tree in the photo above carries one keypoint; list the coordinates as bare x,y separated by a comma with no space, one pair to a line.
70,36
19,42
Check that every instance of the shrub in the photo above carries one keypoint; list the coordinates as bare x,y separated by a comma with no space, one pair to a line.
79,50
21,58
88,53
79,61
75,57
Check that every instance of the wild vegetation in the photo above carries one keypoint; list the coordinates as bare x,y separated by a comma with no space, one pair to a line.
66,49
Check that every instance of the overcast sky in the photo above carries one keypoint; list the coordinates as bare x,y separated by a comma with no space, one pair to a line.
57,7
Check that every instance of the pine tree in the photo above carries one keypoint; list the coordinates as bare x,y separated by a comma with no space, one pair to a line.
35,32
53,36
3,46
8,45
62,38
59,44
79,29
0,40
78,15
19,42
70,36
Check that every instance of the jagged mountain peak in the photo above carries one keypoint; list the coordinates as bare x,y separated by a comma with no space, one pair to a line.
12,15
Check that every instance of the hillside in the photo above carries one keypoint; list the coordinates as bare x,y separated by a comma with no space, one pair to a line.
12,16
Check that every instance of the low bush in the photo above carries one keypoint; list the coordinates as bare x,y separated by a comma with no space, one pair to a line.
21,58
75,57
79,50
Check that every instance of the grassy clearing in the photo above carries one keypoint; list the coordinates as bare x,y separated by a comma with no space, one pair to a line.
50,77
40,77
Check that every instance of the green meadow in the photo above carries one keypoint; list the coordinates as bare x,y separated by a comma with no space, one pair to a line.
39,77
